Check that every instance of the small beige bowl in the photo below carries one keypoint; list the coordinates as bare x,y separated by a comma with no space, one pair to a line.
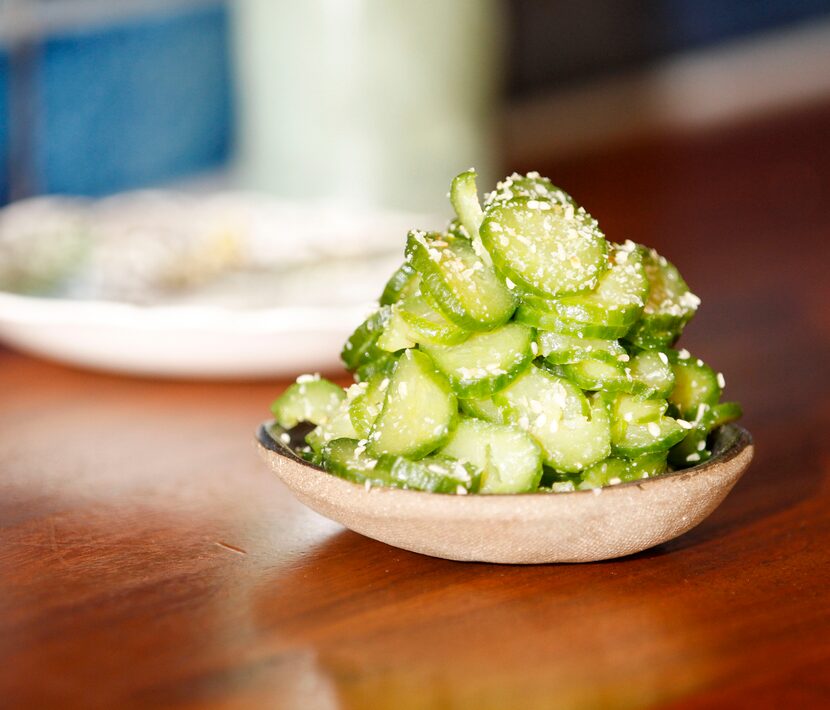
581,526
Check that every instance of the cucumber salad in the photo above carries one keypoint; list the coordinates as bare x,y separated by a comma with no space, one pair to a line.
519,351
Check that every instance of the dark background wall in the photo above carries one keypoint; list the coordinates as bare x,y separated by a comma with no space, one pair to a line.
565,42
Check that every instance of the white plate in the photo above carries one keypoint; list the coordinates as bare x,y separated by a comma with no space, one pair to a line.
186,341
289,314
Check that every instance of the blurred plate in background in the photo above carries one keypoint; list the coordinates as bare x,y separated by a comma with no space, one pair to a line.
220,286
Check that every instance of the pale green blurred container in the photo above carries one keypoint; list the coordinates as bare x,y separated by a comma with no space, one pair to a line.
375,103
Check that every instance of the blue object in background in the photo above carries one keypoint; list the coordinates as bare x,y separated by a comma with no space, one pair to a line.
696,23
5,138
142,102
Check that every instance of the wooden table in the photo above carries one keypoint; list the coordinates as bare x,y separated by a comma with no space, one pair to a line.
147,558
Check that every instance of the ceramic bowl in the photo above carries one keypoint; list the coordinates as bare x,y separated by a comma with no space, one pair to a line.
531,528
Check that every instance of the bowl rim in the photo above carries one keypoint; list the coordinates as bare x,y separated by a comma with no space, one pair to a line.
731,440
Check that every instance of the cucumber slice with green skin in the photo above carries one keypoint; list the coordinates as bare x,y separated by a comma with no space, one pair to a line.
359,347
349,459
456,229
464,200
693,449
596,375
366,406
436,474
397,334
561,349
572,431
309,399
695,384
531,185
486,362
427,325
403,283
556,481
379,362
419,410
725,412
338,426
618,299
581,442
510,460
652,373
633,409
482,408
467,291
552,322
670,305
631,439
614,470
547,249
537,391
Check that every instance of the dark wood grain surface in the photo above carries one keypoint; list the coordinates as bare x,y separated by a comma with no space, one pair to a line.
147,558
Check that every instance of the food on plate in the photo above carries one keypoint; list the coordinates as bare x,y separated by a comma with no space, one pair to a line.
518,351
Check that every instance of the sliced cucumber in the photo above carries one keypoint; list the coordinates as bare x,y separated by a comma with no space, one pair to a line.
467,291
695,385
309,399
669,307
544,320
614,470
365,407
419,409
725,412
694,449
579,442
486,362
538,391
402,283
617,300
595,375
397,333
561,349
633,409
349,459
427,325
338,425
510,460
572,431
652,373
436,474
377,362
641,432
483,408
457,230
464,200
544,247
361,345
531,185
